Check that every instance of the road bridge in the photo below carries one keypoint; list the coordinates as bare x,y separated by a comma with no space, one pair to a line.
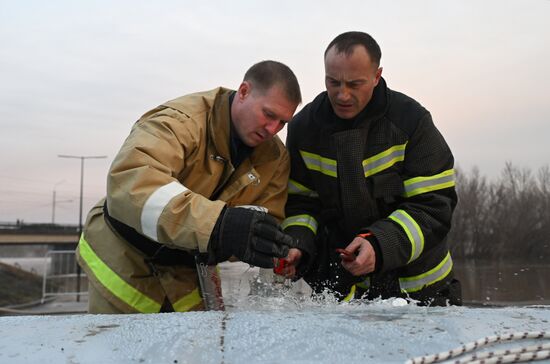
37,239
38,234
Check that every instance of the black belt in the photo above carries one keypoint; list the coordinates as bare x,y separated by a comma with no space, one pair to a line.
157,253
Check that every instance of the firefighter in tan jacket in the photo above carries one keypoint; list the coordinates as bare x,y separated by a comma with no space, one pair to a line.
176,190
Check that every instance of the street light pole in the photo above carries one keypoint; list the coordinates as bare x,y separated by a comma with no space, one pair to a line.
55,201
82,158
53,207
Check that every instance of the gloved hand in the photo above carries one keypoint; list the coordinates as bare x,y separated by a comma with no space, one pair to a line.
254,237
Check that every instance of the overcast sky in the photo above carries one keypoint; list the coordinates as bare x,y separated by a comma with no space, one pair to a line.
75,75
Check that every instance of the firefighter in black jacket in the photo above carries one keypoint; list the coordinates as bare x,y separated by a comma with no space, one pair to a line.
371,189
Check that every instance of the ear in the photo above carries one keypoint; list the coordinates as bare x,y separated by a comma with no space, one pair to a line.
244,90
378,75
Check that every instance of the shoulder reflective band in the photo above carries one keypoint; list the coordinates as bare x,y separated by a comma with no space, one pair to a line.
301,220
416,283
351,294
188,301
384,160
315,162
413,231
417,185
154,206
116,285
295,188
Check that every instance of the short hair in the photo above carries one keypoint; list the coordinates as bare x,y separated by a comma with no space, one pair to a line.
266,74
346,42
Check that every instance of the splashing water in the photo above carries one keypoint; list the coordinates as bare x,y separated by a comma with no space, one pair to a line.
247,288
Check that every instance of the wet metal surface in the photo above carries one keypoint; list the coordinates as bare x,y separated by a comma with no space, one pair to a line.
263,324
351,333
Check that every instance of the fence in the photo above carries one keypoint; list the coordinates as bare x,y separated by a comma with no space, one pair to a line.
62,276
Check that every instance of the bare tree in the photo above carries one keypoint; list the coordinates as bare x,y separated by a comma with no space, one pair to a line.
504,220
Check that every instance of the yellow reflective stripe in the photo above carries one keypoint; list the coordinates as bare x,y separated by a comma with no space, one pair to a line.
351,294
416,283
301,220
296,188
365,284
128,294
188,301
315,162
418,185
413,231
384,160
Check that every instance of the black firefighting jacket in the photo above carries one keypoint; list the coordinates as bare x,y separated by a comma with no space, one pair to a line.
388,171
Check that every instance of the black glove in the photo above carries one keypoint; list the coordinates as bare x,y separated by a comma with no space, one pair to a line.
254,237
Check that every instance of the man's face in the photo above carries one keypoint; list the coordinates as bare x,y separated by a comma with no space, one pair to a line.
350,80
258,116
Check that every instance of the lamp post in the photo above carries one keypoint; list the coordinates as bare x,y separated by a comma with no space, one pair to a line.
55,201
82,158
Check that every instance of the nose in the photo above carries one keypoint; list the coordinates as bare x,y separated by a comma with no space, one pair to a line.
343,93
273,127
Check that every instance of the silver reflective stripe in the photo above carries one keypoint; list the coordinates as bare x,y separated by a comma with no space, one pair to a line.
154,206
413,231
295,188
301,220
416,283
418,185
384,160
254,208
315,162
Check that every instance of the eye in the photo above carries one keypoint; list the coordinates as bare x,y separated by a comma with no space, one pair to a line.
332,82
268,114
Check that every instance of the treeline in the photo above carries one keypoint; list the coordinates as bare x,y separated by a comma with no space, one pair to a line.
506,219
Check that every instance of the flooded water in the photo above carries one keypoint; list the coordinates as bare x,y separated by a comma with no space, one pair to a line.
496,283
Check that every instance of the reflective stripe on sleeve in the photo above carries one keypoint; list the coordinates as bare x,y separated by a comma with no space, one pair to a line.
413,231
254,208
416,283
301,220
116,285
351,294
154,206
317,163
384,160
295,188
188,301
417,185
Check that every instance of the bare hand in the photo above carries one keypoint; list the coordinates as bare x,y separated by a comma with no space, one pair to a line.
292,260
365,261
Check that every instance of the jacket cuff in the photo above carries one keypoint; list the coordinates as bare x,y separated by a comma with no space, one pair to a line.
388,245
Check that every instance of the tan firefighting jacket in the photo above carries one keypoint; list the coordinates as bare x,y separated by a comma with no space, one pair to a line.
169,182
